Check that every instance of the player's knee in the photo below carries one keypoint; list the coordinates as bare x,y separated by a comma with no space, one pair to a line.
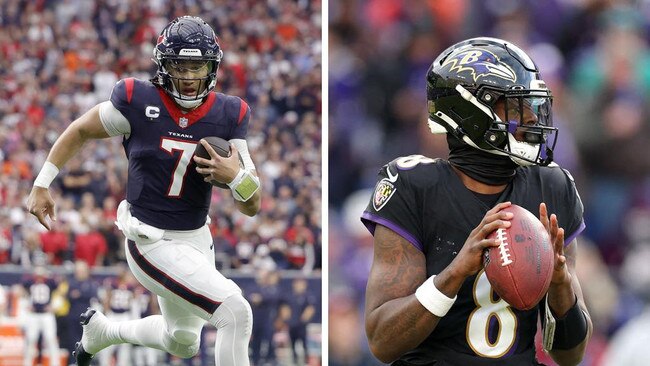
185,351
182,350
234,311
183,336
183,343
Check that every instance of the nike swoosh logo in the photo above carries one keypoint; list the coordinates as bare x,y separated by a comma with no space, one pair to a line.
391,178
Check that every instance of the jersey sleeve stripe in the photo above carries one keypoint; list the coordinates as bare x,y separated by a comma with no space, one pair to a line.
130,82
370,220
575,234
243,107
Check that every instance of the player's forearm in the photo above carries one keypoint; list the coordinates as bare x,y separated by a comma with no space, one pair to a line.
398,326
449,281
401,324
86,127
574,356
252,206
561,299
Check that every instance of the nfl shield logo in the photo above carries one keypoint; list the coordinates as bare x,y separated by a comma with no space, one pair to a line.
182,122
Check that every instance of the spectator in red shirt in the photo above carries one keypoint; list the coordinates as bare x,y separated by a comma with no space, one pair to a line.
299,232
55,243
90,247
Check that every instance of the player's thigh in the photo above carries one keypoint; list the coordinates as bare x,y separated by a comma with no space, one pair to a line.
32,328
49,327
182,272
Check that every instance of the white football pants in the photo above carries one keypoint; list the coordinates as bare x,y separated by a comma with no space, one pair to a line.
37,323
180,269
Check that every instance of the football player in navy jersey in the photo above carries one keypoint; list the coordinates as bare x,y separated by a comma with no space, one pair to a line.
40,319
119,304
428,300
164,216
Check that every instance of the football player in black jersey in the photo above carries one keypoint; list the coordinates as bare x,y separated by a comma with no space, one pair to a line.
164,218
428,300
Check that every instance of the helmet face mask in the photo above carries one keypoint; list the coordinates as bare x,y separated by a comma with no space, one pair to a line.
488,94
188,56
189,79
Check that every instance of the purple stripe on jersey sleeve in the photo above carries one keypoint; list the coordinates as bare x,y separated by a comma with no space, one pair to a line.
371,220
575,234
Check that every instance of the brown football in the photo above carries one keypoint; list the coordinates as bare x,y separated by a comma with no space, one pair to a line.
221,147
521,267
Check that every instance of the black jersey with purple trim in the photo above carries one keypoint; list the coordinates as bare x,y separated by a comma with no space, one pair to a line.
40,293
163,187
424,201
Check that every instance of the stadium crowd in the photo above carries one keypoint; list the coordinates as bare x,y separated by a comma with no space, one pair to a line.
60,58
595,56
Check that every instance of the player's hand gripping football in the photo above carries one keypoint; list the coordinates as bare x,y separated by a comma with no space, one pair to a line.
41,204
561,273
218,168
470,258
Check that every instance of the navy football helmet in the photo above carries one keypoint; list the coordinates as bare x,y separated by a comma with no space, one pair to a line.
465,83
187,39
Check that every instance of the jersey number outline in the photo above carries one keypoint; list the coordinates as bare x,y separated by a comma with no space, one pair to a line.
410,161
479,321
178,176
40,293
121,299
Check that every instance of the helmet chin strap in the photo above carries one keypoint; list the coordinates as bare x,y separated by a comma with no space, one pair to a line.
436,129
523,149
188,104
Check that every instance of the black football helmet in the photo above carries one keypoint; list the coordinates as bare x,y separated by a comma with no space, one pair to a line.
465,83
187,38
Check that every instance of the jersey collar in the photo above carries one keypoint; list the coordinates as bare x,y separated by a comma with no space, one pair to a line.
184,120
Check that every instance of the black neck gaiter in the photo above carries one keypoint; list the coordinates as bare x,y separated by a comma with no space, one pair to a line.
491,169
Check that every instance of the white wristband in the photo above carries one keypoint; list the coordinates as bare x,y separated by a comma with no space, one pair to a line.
46,176
432,299
244,185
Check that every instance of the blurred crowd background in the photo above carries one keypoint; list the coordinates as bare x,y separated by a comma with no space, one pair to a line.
60,58
595,56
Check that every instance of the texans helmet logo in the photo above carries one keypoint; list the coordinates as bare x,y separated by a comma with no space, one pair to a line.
479,63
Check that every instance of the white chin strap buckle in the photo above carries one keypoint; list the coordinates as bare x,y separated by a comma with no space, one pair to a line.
523,150
188,103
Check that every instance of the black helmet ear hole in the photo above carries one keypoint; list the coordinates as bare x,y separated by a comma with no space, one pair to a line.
497,139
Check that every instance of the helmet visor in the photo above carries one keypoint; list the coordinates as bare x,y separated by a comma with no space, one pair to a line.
527,117
190,78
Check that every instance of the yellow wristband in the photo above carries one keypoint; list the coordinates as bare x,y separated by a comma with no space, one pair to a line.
244,185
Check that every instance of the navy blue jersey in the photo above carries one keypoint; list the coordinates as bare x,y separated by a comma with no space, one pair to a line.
266,310
80,293
425,202
120,297
298,303
163,187
40,293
